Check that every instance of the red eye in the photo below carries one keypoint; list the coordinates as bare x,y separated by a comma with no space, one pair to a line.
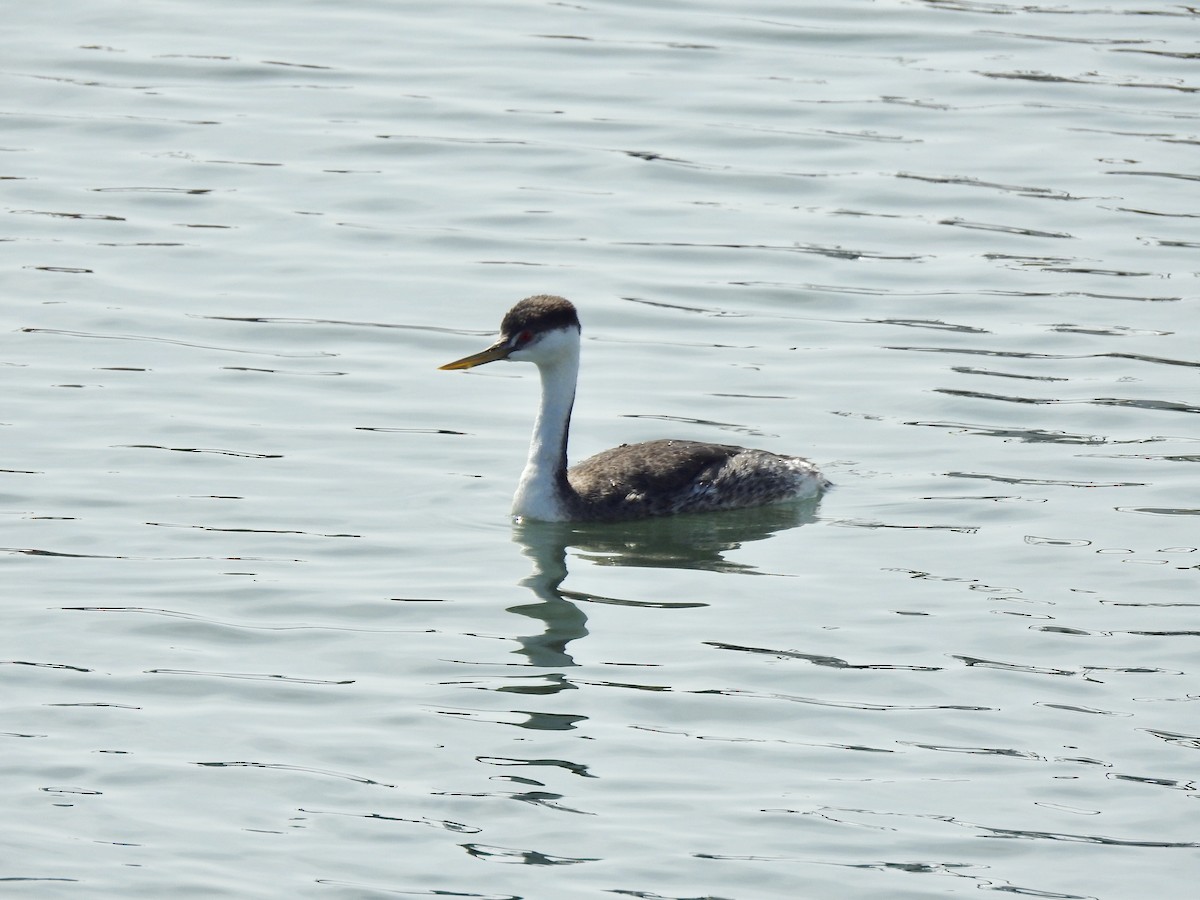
524,337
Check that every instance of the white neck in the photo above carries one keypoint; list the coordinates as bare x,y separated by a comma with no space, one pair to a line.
539,493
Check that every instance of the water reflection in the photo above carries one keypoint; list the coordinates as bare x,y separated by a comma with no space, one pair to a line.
561,620
678,542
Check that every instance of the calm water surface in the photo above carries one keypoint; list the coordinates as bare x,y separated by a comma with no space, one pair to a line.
268,630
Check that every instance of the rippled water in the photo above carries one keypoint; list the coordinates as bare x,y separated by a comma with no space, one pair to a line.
268,629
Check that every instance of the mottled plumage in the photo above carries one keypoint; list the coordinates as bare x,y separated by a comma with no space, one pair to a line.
633,481
665,477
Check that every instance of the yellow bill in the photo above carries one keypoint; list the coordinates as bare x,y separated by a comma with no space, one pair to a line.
498,350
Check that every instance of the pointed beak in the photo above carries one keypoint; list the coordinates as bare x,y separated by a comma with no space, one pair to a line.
498,350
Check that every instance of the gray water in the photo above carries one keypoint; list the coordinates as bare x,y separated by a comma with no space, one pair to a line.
268,629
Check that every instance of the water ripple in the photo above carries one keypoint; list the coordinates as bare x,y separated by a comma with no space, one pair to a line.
1025,435
223,623
173,341
1156,405
819,659
1021,190
1028,354
1060,482
232,530
490,853
843,704
284,767
250,676
456,827
1006,229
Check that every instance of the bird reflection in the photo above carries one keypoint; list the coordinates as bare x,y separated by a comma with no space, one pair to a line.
681,542
561,619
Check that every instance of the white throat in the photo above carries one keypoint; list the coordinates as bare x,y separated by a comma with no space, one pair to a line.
539,493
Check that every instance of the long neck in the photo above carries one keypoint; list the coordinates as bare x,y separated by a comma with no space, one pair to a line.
544,492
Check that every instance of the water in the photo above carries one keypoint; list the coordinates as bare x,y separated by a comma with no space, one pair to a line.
268,629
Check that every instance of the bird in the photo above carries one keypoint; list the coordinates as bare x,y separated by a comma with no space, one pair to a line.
632,481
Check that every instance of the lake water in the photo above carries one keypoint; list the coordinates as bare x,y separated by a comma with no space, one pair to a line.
268,628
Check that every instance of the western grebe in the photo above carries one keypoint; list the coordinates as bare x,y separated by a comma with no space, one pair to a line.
633,481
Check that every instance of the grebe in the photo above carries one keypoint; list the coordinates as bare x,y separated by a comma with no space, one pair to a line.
633,481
